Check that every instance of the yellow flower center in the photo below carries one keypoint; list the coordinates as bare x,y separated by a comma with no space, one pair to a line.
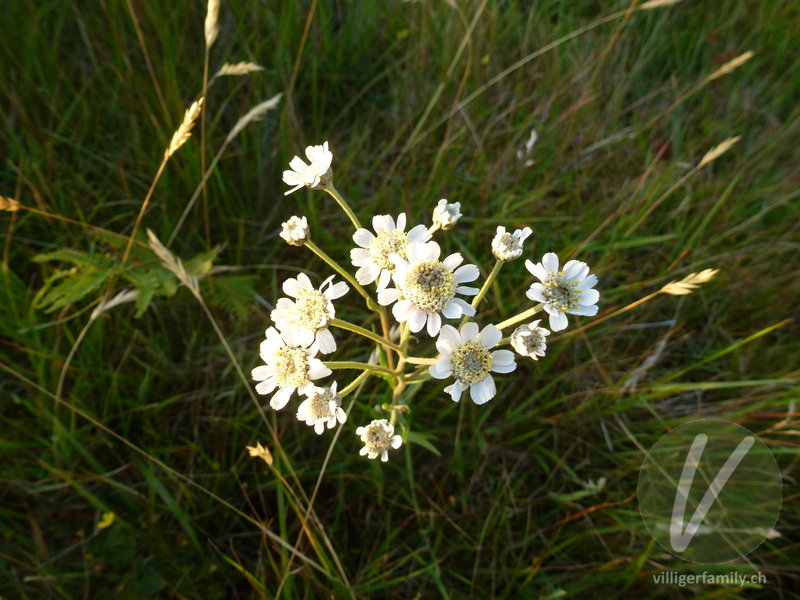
561,293
378,439
321,405
311,311
291,367
429,285
384,244
471,362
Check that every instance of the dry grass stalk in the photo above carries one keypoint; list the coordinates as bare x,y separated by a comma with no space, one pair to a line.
241,68
657,4
254,114
184,132
731,65
260,452
689,283
9,204
121,298
718,151
172,263
212,22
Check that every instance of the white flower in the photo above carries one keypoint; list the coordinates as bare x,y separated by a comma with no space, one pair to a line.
508,246
295,231
373,257
314,175
445,215
570,290
290,365
467,357
529,340
322,406
312,310
378,437
428,287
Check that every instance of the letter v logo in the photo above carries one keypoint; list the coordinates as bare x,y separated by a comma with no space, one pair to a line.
678,536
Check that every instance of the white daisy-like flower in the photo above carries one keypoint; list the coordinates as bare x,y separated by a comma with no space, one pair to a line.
468,358
530,340
322,406
508,246
373,257
290,365
314,175
295,231
311,310
570,290
445,215
427,287
378,437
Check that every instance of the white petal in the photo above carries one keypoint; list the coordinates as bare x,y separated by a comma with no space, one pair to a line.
363,237
327,343
368,273
585,311
467,291
341,416
558,322
384,279
536,292
434,324
482,391
401,222
319,427
360,257
396,441
449,339
455,390
291,287
291,335
417,320
261,373
550,262
589,282
266,387
385,456
469,332
281,397
537,270
490,336
452,261
502,358
337,290
419,234
467,273
403,310
316,370
416,251
452,310
441,370
466,309
589,297
386,297
298,164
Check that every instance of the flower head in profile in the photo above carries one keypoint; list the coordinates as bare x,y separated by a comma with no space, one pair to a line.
467,357
311,310
378,437
321,407
508,246
295,231
445,215
569,290
374,256
315,175
290,365
530,340
427,287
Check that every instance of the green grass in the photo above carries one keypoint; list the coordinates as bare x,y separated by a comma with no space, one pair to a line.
492,512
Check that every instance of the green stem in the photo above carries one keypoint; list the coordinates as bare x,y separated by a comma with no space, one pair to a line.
420,361
356,382
365,332
520,317
339,269
346,364
485,288
331,189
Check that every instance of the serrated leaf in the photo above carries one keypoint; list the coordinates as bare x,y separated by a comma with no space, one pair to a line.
75,287
234,294
146,293
66,255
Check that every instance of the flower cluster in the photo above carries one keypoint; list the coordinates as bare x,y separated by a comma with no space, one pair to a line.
423,290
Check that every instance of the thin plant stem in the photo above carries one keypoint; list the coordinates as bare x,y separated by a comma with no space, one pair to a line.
365,332
347,364
346,391
339,269
331,189
203,147
485,287
413,360
520,317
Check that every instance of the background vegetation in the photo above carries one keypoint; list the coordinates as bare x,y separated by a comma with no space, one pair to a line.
492,502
